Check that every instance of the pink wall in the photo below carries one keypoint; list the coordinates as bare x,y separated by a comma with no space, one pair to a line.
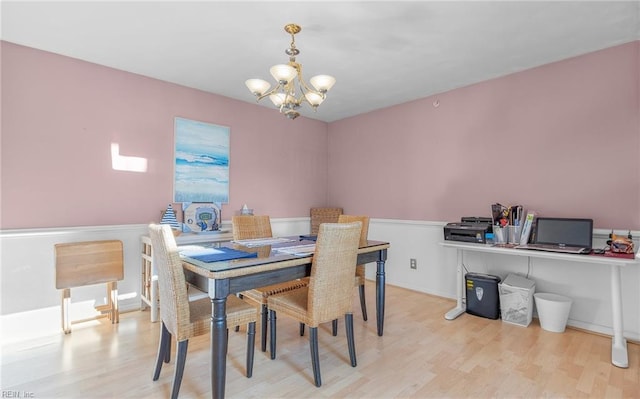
60,116
573,126
563,139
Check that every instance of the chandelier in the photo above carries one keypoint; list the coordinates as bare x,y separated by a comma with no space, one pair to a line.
292,90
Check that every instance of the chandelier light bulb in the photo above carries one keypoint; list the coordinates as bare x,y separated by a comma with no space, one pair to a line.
323,83
314,99
277,99
283,73
257,86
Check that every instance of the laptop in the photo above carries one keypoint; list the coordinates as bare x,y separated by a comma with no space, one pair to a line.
565,235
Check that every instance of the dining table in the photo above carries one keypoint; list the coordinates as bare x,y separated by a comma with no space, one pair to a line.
223,269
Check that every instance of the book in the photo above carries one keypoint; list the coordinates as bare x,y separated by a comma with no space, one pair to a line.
527,227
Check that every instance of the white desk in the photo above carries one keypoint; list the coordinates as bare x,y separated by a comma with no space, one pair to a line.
619,355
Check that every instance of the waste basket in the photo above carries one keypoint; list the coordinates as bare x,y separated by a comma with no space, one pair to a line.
553,311
516,299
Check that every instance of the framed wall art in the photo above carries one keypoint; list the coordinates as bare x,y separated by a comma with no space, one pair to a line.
201,170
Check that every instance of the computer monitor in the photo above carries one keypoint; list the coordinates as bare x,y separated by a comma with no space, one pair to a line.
564,231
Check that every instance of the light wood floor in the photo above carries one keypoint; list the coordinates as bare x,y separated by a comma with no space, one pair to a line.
421,355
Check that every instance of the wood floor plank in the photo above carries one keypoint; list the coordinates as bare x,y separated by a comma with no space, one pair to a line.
421,355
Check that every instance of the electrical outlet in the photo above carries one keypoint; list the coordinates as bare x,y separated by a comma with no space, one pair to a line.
413,264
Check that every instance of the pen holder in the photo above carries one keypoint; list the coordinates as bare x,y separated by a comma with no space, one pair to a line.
500,235
514,234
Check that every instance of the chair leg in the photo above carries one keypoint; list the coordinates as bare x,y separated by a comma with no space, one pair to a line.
263,328
66,299
167,352
334,327
348,321
302,329
251,346
363,303
181,357
315,358
165,337
114,314
272,333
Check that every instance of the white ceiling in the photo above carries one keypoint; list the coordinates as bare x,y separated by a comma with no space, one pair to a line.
381,53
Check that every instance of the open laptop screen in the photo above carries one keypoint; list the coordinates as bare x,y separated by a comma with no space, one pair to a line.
564,231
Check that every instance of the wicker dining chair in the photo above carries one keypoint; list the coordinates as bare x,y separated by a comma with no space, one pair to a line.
329,294
259,226
360,269
185,319
323,215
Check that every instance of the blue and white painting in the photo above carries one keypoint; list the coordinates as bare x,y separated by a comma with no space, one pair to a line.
202,162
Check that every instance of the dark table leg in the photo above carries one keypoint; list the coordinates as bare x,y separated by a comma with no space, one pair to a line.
218,346
380,277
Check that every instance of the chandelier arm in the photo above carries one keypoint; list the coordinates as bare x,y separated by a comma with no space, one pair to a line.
269,92
303,85
304,89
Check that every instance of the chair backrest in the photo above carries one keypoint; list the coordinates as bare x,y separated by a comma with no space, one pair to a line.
365,225
250,226
332,271
323,215
172,286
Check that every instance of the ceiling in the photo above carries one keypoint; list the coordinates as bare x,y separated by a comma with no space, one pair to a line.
381,53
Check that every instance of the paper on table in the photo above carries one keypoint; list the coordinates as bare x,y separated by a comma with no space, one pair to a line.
219,254
258,242
298,249
196,250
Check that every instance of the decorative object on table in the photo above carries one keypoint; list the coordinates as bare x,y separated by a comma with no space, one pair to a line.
621,244
246,210
201,217
287,95
169,217
201,162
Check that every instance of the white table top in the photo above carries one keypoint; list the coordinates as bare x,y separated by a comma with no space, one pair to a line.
490,248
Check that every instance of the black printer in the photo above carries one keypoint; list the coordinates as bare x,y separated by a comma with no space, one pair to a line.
469,229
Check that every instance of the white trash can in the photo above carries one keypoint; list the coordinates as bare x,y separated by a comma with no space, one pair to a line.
553,311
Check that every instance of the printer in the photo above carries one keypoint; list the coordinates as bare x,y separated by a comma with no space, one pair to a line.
469,229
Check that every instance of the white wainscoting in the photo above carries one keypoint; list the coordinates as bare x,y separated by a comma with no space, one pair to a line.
30,304
29,300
